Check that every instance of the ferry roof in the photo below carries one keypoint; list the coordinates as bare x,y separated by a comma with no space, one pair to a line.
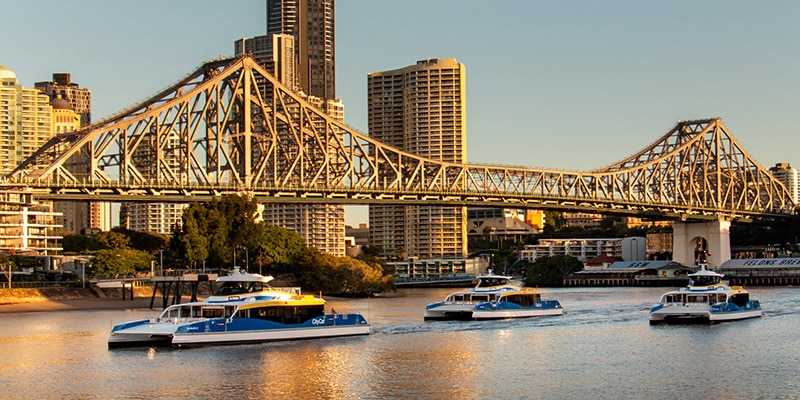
238,276
705,272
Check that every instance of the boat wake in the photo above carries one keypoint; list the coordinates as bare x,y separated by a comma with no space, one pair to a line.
571,317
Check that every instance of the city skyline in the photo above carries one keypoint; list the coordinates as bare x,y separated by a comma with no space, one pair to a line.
541,76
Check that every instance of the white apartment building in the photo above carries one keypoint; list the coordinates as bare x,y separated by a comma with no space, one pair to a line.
25,121
628,249
789,177
28,227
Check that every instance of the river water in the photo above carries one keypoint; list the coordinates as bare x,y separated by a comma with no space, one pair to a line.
602,348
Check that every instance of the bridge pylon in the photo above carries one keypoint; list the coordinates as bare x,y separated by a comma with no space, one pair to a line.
690,240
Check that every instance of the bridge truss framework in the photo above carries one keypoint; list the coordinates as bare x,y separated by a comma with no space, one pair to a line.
230,128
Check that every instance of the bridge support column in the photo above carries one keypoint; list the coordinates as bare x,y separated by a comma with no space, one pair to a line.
685,238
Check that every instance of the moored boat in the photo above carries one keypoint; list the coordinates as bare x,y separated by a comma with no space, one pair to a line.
707,299
245,309
522,303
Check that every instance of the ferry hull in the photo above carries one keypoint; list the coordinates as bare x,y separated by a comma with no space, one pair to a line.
449,312
141,333
122,340
522,313
699,316
226,338
735,316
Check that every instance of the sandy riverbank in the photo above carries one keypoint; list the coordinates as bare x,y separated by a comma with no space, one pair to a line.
66,299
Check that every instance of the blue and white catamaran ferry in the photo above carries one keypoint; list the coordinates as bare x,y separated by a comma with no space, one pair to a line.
707,299
245,309
493,297
521,303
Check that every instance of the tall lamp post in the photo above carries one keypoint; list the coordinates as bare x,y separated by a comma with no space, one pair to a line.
161,264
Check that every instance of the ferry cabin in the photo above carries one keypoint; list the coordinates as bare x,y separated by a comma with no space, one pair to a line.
489,281
523,299
471,298
279,313
230,288
689,298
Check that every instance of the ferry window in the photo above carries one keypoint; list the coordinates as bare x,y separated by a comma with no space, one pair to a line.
696,299
232,288
525,301
480,298
185,312
212,312
228,312
195,312
740,299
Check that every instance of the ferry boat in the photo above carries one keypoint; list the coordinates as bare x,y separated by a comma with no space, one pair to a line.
522,303
707,299
461,304
245,309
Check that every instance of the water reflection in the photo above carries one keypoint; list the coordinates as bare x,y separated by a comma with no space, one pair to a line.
603,347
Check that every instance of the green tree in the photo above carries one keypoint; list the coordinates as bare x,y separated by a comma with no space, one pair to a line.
193,243
120,261
226,224
76,244
340,275
150,242
275,247
550,271
112,240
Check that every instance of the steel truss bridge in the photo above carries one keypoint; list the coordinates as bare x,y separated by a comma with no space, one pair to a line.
231,128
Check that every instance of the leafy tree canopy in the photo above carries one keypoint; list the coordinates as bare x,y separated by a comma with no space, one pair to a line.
213,231
150,242
112,240
76,244
120,261
340,275
275,247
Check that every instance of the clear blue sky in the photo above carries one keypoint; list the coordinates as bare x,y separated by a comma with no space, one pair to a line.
554,84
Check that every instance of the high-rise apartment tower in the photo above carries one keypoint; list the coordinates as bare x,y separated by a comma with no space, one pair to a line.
311,22
299,51
62,87
420,109
790,178
78,217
